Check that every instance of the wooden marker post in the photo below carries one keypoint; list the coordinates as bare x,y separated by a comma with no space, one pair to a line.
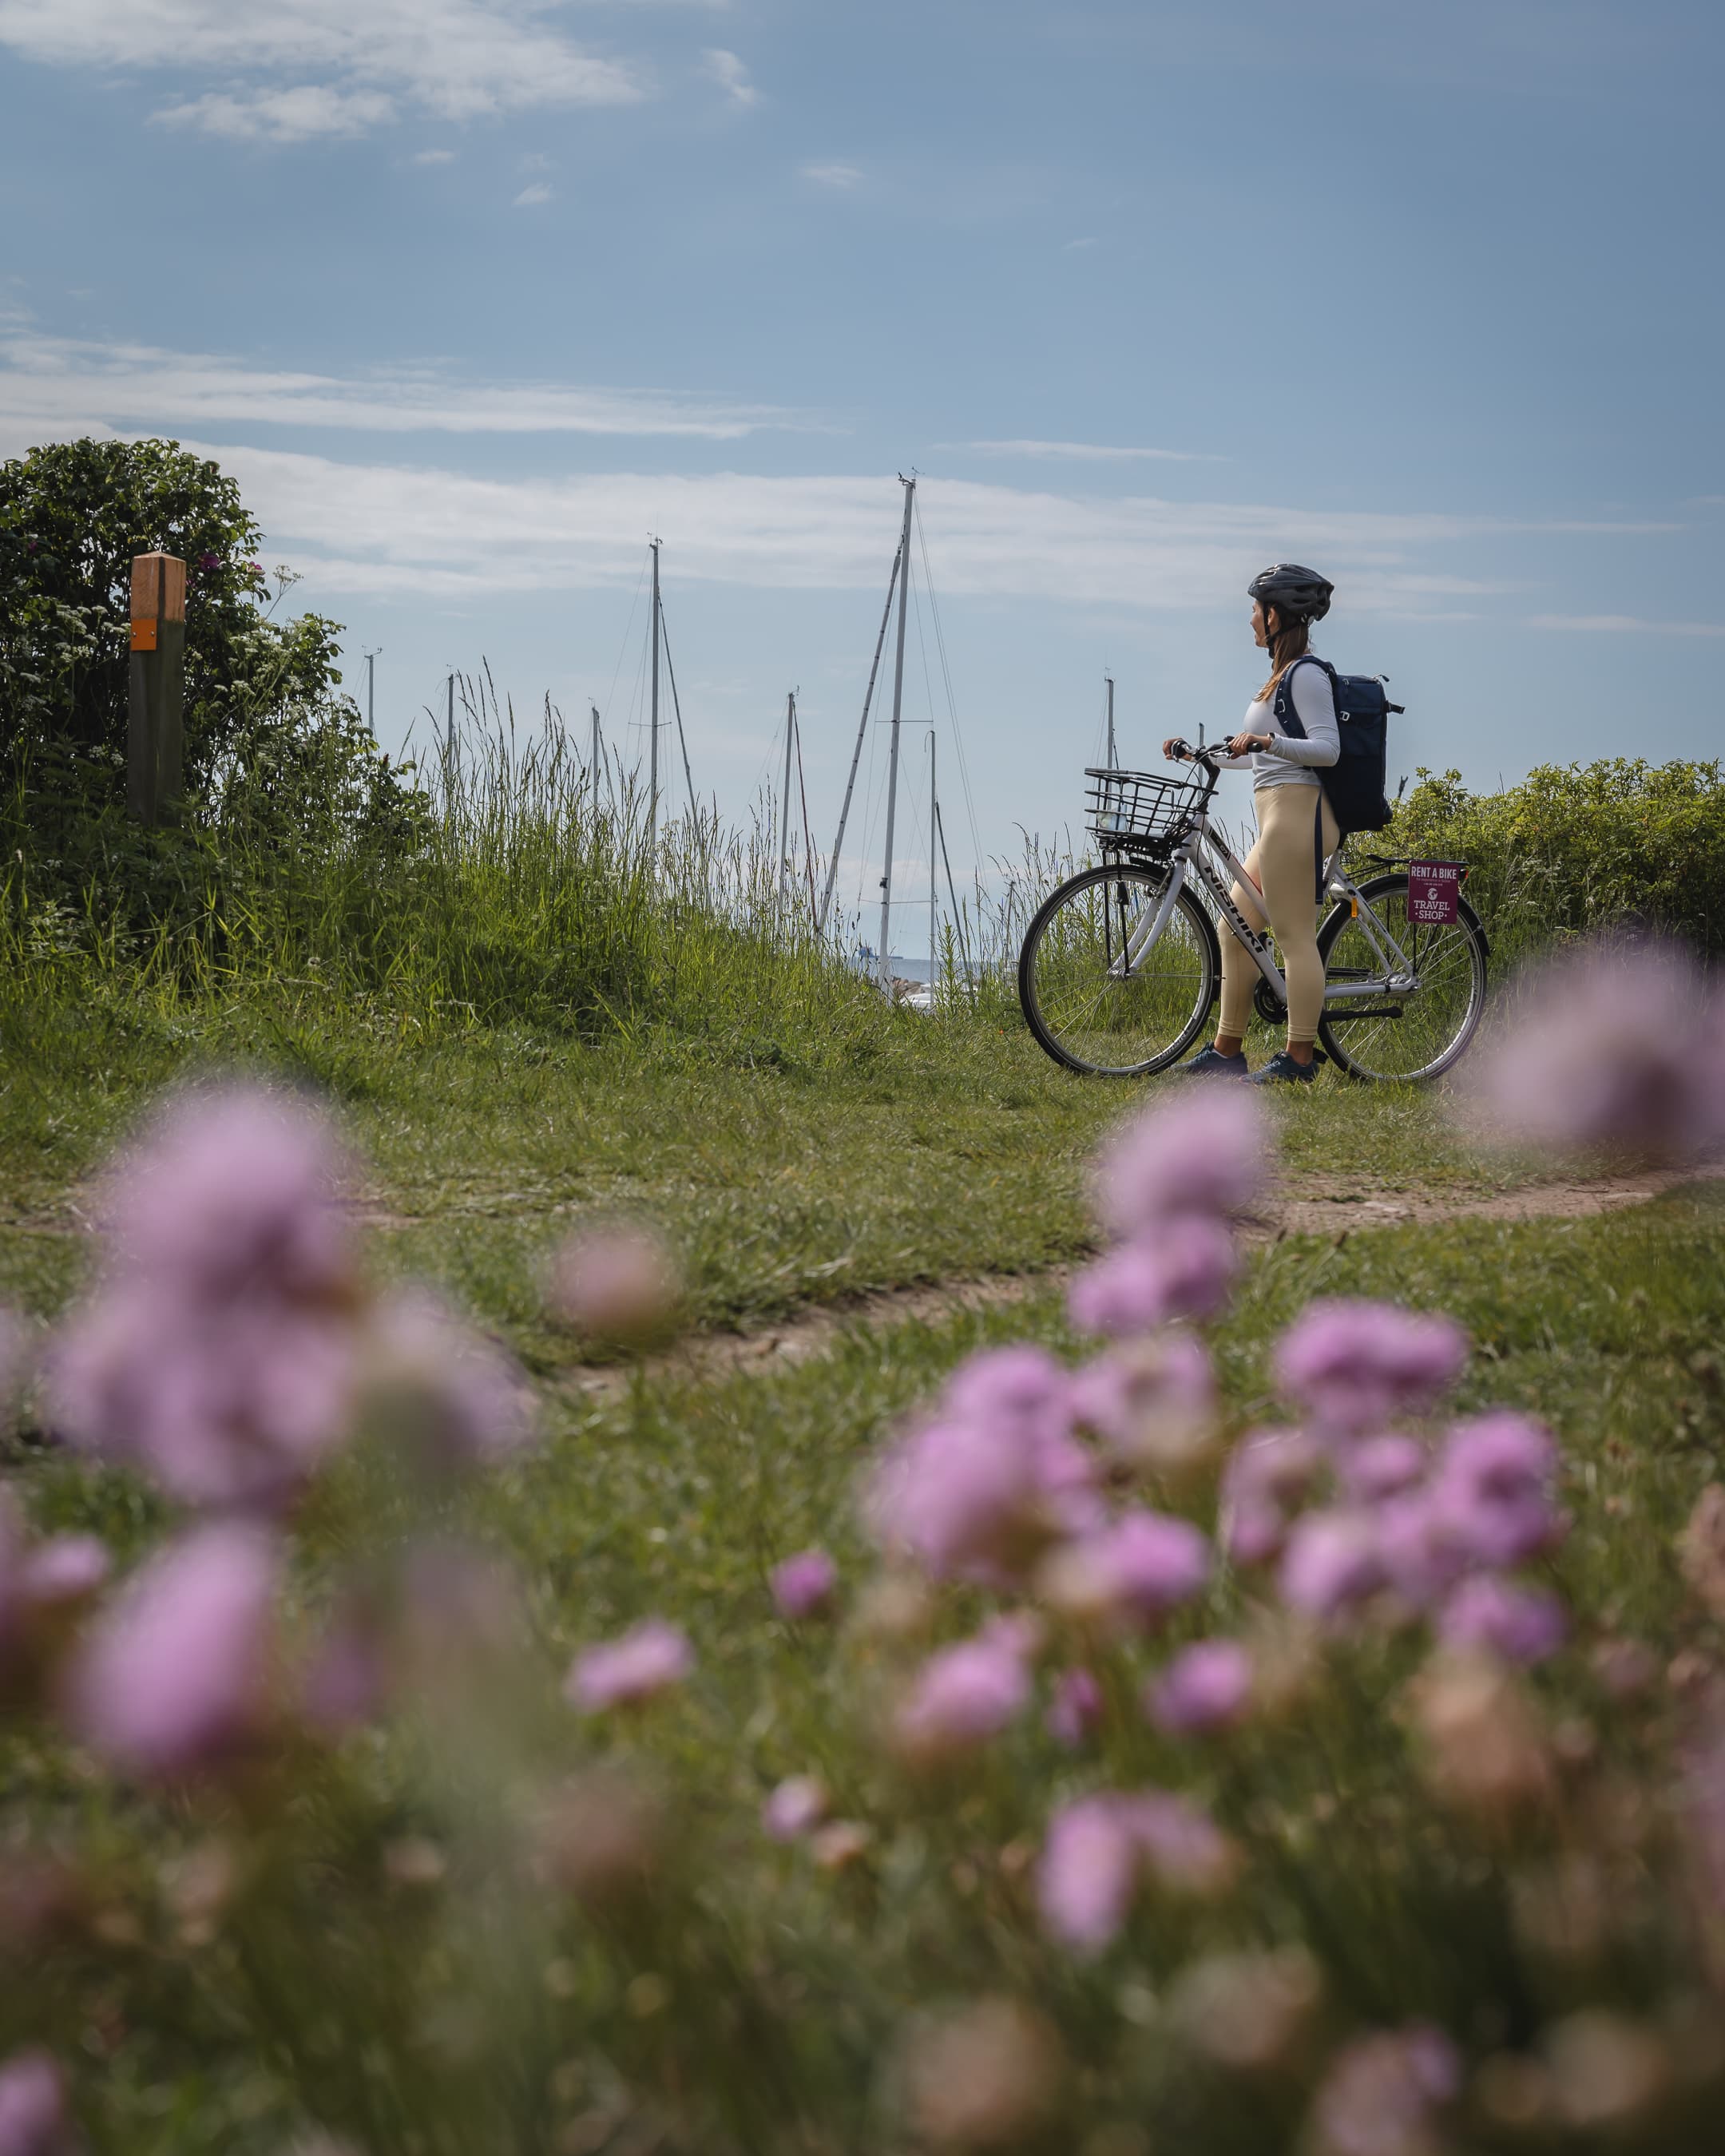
155,737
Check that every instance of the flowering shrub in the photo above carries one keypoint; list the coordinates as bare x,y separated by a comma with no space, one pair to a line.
1178,1779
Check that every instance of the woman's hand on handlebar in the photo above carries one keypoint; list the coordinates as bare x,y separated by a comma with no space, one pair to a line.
1180,751
1245,744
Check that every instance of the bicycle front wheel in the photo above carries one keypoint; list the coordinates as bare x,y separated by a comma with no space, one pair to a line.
1095,1000
1411,1034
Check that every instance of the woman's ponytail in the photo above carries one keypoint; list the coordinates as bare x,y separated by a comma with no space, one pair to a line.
1291,640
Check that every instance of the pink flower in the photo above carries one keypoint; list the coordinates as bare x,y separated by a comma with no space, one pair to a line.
1135,1571
1356,1364
1099,1848
461,1398
1421,1557
1183,1849
1183,1268
648,1660
174,1678
1520,1624
795,1808
1206,1153
236,1194
1021,1391
804,1585
964,1500
1377,2098
218,1350
34,2118
1268,1475
964,1695
1074,1708
1615,1045
1158,1560
38,1582
1379,1467
1332,1561
64,1569
1207,1686
1493,1489
1088,1873
1152,1403
617,1283
230,1408
978,1491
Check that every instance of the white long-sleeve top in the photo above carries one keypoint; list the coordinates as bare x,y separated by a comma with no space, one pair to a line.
1296,762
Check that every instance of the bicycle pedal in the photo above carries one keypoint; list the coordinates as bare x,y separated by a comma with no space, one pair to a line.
1318,1055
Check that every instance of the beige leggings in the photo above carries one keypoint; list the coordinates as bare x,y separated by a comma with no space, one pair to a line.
1285,864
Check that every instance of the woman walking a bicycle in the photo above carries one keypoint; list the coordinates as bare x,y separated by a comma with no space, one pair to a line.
1297,831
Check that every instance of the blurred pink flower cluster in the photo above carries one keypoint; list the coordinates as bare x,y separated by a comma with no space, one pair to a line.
1102,1849
1617,1046
230,1344
1424,1526
1167,1188
1028,1478
228,1350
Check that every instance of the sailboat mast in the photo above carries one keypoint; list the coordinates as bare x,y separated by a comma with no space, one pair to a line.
898,702
1109,679
934,799
826,898
653,752
785,806
594,765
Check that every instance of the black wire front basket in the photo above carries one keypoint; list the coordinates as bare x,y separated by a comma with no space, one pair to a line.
1133,808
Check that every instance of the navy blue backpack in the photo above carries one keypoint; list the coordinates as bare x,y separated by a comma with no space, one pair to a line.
1354,783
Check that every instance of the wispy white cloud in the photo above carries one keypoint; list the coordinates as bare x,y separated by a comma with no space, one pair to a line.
731,74
366,525
433,157
833,176
303,114
530,197
60,386
358,528
1074,246
290,72
1088,452
1611,624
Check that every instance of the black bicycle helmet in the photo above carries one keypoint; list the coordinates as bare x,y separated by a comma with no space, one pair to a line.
1297,594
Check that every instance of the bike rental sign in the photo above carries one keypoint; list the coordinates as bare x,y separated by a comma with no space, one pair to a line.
1434,892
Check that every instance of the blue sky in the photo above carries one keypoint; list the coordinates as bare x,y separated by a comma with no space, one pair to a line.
474,294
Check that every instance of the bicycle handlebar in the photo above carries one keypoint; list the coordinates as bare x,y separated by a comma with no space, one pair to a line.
1184,752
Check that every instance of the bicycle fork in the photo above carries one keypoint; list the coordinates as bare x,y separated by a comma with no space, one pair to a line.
1145,930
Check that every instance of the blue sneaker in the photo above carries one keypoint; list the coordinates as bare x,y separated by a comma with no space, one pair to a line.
1210,1065
1281,1069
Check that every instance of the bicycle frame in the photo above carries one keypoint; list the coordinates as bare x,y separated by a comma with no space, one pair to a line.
1203,853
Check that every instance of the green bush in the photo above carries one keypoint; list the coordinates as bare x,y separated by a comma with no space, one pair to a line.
1579,847
272,752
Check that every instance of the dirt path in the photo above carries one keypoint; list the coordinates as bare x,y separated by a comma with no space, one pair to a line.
712,1356
1579,1199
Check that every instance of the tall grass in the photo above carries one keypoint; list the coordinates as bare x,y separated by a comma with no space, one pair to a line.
527,889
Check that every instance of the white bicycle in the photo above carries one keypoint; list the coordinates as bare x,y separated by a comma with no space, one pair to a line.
1121,965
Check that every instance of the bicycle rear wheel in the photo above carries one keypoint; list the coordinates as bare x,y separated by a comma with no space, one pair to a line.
1085,1010
1416,1034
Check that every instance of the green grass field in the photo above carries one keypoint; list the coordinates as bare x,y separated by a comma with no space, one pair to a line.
943,1150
